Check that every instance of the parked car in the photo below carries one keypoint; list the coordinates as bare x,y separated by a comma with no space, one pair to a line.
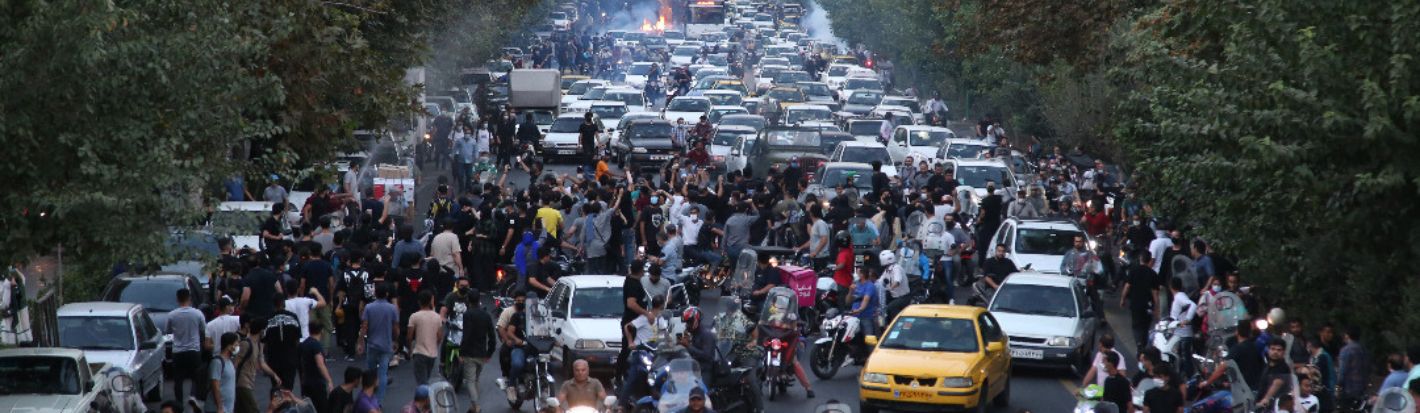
62,380
157,293
117,334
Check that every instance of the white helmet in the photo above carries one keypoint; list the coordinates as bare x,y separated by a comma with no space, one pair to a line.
887,258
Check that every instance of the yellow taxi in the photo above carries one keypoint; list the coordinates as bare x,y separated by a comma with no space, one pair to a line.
936,358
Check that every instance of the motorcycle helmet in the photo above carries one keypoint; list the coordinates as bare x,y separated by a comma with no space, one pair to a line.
842,239
691,316
887,258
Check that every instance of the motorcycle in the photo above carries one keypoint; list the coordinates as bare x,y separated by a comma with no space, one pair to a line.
779,334
609,405
647,360
452,365
1162,337
838,347
671,386
536,383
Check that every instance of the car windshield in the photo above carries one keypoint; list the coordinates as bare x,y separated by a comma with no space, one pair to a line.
674,35
751,121
866,127
793,138
238,222
932,334
726,138
792,77
829,141
724,99
716,114
608,112
717,60
838,70
1045,241
805,115
866,154
96,333
965,151
626,120
815,89
686,51
38,375
689,105
977,175
650,132
862,84
557,16
787,95
566,125
156,295
542,117
595,93
831,178
639,70
929,138
1034,300
630,99
597,303
907,103
865,98
580,88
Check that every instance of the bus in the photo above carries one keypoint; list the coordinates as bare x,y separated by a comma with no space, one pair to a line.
706,16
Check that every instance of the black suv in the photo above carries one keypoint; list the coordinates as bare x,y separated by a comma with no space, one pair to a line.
646,144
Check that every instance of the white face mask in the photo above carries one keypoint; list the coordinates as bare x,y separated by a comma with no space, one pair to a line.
1217,288
1141,366
236,349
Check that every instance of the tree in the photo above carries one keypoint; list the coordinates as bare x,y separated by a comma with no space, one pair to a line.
1286,132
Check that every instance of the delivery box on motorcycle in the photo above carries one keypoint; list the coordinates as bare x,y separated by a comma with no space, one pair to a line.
802,280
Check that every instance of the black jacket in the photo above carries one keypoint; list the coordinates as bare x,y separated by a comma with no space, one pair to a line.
527,133
478,336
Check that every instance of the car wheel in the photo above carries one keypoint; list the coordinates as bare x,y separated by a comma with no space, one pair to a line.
864,408
1004,398
981,399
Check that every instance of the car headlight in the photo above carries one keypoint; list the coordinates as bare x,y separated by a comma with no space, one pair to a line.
957,382
877,378
589,344
638,150
1060,342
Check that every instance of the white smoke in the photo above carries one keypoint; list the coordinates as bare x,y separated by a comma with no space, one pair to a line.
818,26
630,20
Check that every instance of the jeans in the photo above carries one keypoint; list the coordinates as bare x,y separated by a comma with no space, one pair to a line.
628,241
423,367
1140,320
187,366
472,369
379,360
703,254
518,360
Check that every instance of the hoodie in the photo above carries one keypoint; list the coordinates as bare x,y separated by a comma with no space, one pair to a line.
525,250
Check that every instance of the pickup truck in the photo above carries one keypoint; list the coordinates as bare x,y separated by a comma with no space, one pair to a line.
61,380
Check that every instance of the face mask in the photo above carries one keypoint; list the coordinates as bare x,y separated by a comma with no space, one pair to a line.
1159,382
695,217
655,200
1136,222
1141,366
520,306
236,349
1217,288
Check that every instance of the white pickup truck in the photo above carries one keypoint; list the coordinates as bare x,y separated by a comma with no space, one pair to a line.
61,380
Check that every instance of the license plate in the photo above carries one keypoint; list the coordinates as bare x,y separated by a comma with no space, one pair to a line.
774,360
1027,353
911,394
566,152
660,157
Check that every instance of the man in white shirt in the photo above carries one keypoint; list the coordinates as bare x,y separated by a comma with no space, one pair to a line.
226,322
302,306
1161,243
885,131
1182,311
894,282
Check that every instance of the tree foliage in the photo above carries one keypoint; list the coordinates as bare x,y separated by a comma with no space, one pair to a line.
120,115
1287,132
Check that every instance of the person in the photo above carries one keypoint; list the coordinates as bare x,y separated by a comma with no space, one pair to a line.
378,326
1098,367
366,400
250,357
766,278
189,329
341,398
1116,386
885,130
223,377
259,286
446,249
274,192
844,274
865,302
582,390
1412,360
997,268
1078,259
1141,291
1243,351
643,329
1277,379
1353,368
1167,398
510,332
1162,242
226,321
550,217
636,302
465,152
315,374
1317,356
420,404
587,136
282,338
894,283
1182,311
425,332
671,251
304,307
477,346
698,339
1398,371
696,404
1307,401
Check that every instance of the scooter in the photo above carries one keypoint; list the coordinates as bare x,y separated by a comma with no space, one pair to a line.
1162,337
452,365
838,347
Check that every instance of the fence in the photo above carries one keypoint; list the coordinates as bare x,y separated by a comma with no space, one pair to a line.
43,328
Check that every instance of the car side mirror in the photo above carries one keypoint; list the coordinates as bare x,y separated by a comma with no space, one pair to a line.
148,345
995,346
870,340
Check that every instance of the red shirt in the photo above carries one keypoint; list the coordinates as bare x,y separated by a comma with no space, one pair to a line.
843,276
1096,223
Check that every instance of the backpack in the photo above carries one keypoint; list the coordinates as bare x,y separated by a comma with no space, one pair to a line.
440,208
935,242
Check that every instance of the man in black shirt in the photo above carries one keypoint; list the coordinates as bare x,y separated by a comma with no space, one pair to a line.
541,275
260,286
998,267
1141,289
587,133
1116,386
765,279
880,180
1276,376
1242,350
477,346
282,336
271,232
634,295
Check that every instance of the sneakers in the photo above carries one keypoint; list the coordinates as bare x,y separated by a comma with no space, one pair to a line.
502,383
193,404
810,392
394,362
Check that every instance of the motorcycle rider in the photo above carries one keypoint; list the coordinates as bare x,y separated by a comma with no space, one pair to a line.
642,330
511,327
787,331
697,403
894,284
1079,262
843,275
699,341
997,268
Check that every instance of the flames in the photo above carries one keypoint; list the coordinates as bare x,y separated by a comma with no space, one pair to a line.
657,27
